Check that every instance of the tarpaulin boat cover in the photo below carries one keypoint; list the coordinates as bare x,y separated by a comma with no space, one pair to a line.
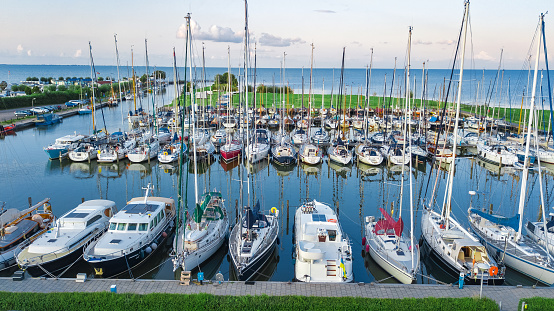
384,226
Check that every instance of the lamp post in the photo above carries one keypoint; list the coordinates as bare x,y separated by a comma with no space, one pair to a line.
33,103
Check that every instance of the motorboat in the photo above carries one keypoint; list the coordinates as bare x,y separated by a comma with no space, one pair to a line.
58,249
61,147
133,236
322,250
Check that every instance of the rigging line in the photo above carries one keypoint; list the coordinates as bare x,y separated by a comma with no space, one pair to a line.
445,102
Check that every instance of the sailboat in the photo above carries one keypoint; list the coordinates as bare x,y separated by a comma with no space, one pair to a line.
386,244
309,153
254,237
458,251
503,235
204,231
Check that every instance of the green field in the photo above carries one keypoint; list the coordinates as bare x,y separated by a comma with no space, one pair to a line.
109,301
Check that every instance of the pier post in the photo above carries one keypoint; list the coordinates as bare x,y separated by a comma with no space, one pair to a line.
337,208
82,200
30,201
287,216
490,209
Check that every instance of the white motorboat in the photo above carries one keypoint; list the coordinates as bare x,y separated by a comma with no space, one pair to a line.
322,250
59,248
496,154
171,152
61,147
134,234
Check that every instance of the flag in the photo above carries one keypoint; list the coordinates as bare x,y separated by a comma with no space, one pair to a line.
343,268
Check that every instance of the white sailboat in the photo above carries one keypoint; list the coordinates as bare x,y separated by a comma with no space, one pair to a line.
205,230
255,236
502,235
384,241
458,251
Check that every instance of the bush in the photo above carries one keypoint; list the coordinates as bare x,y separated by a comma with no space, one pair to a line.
42,99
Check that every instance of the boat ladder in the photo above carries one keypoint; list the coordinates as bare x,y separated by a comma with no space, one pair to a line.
331,268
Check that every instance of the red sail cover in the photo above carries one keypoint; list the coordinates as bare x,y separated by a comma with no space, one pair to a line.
389,225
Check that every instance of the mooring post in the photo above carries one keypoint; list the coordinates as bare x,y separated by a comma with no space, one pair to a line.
337,204
236,210
30,201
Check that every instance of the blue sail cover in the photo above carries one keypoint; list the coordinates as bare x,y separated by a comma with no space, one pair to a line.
512,222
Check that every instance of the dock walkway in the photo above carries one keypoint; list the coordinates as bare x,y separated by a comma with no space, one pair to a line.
506,296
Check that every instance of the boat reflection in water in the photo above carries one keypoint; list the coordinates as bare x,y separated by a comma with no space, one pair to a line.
265,272
343,171
255,168
283,170
56,166
111,170
227,166
210,267
494,170
368,171
201,166
82,170
145,169
169,168
311,169
376,271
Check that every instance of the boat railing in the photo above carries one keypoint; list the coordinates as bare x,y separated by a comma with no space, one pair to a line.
120,252
59,253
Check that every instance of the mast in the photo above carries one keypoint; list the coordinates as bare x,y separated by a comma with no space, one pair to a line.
446,215
193,110
92,76
528,141
406,125
118,78
246,88
134,84
409,128
366,112
310,91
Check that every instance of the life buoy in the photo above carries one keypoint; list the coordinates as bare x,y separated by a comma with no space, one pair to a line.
442,226
273,210
332,220
493,271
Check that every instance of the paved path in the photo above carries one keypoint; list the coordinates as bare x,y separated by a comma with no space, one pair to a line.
507,296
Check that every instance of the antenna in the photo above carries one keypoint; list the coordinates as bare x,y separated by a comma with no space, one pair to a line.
147,190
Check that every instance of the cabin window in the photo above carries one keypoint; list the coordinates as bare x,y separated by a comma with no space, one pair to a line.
113,225
132,227
93,220
143,227
152,224
121,226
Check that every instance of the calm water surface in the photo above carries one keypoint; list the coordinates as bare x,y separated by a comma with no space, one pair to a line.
356,190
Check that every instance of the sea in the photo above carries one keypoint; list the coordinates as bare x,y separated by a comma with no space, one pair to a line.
495,88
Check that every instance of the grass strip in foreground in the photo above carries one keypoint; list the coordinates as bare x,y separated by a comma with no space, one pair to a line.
537,303
108,301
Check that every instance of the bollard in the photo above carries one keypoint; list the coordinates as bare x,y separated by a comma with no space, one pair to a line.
82,200
461,281
30,201
113,289
201,278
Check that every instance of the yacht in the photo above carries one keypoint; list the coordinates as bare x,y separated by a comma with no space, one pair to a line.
323,252
369,155
203,234
340,153
59,248
252,241
84,152
61,147
133,235
310,154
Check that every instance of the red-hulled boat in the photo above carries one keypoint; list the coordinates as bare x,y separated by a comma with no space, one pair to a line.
231,150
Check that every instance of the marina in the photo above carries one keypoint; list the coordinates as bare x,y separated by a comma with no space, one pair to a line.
222,184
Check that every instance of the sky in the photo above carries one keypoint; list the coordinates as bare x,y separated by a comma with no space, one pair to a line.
58,31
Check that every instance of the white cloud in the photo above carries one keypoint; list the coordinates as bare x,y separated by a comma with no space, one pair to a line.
417,42
19,49
78,53
215,33
271,40
446,42
325,11
29,53
483,56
